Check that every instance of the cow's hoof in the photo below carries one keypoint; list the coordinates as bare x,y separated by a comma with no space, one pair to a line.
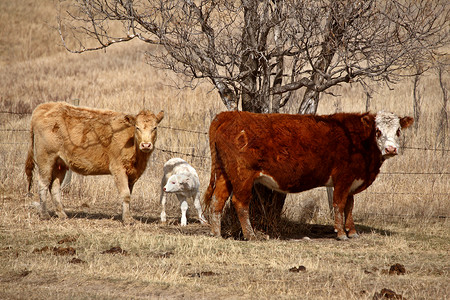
259,236
353,235
128,221
217,235
44,216
62,215
342,237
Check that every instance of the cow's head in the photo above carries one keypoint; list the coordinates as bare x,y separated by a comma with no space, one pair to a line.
388,130
145,124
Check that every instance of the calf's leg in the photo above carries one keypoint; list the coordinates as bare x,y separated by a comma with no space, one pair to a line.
199,209
183,207
163,200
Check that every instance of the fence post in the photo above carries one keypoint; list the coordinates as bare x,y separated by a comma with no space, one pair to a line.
330,200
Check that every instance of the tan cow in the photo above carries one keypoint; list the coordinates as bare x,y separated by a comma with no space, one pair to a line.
89,142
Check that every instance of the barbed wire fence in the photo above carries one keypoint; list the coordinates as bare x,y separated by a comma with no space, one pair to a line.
202,158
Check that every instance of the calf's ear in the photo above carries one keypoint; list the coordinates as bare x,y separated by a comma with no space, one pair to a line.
131,120
160,116
184,180
405,122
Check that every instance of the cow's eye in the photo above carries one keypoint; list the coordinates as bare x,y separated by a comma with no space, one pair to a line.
399,132
173,182
154,128
138,129
378,133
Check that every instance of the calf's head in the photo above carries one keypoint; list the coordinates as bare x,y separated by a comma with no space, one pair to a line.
388,130
145,124
177,183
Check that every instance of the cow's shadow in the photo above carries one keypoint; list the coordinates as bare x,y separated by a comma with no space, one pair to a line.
288,230
297,230
106,216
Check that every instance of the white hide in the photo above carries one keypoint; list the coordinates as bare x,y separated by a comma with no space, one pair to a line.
181,179
388,133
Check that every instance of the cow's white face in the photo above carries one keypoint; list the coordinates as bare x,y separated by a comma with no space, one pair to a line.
145,124
388,130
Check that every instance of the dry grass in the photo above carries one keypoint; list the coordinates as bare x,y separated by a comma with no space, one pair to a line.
398,215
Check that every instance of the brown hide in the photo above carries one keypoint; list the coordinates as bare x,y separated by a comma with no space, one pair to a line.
89,142
290,154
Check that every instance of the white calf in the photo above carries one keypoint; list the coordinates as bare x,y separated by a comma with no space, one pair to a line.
181,179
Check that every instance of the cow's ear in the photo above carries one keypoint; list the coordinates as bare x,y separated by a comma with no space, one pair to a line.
131,120
366,120
160,116
405,122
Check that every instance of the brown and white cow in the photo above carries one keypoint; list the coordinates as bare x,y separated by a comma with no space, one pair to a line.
294,153
89,142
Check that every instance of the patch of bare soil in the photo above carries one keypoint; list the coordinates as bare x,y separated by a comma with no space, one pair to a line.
68,239
165,254
387,294
12,277
397,269
202,274
297,269
115,250
76,261
56,250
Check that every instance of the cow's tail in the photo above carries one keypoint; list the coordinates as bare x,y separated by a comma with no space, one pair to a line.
212,181
29,164
214,164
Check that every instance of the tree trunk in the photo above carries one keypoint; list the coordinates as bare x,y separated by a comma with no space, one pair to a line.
266,205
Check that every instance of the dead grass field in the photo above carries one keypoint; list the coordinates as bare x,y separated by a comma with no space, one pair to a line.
403,217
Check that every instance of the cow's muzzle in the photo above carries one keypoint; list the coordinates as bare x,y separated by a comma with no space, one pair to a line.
390,151
146,147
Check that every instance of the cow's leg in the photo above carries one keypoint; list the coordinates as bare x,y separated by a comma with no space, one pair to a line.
44,182
43,186
222,191
339,201
123,187
59,172
241,204
349,224
198,207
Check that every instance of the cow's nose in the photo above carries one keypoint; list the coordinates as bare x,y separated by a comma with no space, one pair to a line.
390,150
146,146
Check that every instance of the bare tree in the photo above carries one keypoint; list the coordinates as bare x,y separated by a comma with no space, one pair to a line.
260,51
257,52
